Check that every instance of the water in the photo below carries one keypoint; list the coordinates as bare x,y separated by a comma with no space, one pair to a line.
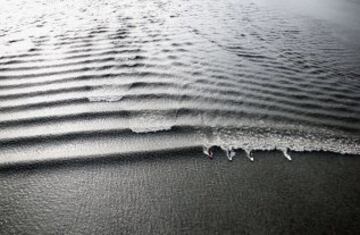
104,77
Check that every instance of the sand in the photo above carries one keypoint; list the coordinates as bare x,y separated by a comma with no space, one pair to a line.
107,106
184,193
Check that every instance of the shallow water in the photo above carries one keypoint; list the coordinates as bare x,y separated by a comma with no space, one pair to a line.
105,77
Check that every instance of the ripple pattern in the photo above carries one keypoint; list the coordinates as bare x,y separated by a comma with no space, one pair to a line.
90,75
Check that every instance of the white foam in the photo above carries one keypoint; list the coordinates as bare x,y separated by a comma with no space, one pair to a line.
150,129
249,141
207,151
286,154
229,151
111,98
248,154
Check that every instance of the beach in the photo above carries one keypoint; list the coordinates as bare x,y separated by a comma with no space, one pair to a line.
170,117
183,192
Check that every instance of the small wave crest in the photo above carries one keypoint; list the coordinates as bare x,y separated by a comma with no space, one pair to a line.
150,129
230,140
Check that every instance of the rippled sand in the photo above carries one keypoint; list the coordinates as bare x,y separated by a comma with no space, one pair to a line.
97,78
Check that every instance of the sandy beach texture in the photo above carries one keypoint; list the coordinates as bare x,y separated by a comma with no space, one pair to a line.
184,193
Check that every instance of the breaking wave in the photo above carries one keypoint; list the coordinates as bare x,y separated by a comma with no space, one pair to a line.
150,76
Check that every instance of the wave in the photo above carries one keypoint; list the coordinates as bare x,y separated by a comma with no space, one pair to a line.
100,143
248,77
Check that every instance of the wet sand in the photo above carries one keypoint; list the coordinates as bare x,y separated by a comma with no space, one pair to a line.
182,192
105,107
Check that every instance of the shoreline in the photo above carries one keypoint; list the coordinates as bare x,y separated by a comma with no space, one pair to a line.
69,145
217,152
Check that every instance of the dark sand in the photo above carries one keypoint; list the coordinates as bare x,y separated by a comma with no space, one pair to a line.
184,192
